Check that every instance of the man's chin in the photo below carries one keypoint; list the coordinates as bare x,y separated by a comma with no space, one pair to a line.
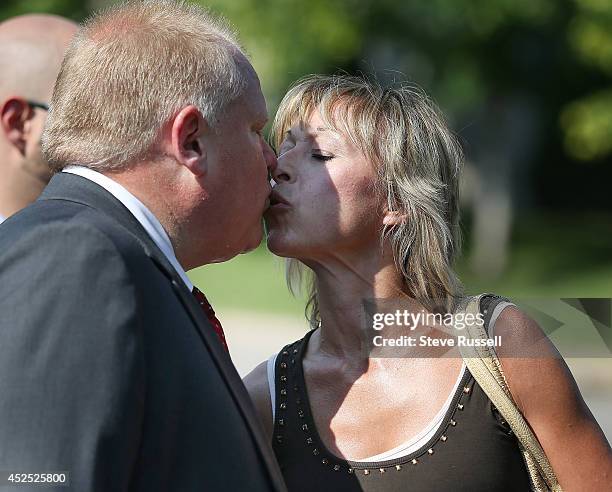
248,249
253,242
245,246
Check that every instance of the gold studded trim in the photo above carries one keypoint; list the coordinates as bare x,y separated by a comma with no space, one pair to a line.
330,462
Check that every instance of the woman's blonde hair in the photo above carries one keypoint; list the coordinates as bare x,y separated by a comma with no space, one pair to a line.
418,161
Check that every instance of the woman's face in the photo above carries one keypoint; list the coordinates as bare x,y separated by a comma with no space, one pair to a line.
323,203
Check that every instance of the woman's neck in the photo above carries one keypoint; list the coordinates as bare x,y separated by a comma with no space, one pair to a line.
343,286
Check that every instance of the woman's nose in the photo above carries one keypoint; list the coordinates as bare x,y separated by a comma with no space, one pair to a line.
282,173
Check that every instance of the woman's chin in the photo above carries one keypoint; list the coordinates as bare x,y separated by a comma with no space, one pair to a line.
279,244
276,244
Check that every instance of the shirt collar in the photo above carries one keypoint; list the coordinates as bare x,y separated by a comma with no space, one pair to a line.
138,209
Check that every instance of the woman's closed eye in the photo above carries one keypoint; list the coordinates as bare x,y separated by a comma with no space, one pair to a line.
321,156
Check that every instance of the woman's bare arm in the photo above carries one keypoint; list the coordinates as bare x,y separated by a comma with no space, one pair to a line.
547,395
256,383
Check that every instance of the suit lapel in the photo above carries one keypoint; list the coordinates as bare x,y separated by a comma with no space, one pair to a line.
232,379
70,187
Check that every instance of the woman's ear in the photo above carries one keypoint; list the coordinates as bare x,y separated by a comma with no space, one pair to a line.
188,131
394,218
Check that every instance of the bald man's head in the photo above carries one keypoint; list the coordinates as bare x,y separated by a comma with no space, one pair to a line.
31,51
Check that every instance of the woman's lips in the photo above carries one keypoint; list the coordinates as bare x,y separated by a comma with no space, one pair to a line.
277,201
279,207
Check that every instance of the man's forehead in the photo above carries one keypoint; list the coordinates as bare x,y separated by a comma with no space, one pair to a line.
247,70
254,97
245,66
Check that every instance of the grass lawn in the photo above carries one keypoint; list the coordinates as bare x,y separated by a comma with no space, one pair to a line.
249,282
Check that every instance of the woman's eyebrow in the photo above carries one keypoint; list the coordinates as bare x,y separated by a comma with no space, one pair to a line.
331,136
290,134
313,134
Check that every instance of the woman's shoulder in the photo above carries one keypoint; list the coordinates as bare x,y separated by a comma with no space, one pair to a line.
256,383
547,395
260,383
530,361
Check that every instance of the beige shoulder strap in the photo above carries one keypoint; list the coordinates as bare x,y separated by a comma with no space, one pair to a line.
486,369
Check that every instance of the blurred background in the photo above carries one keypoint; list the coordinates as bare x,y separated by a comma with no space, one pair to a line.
527,87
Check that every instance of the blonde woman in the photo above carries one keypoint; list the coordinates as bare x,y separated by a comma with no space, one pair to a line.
365,202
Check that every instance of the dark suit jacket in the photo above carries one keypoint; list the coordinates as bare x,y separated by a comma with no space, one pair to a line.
108,367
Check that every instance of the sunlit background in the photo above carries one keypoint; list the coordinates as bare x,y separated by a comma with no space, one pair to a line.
527,87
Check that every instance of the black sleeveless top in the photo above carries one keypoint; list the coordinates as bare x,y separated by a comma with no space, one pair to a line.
473,449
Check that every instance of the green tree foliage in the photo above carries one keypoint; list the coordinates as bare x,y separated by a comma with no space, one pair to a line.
290,38
554,55
587,122
72,9
458,49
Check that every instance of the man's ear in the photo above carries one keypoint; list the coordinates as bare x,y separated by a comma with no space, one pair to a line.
393,218
14,114
188,131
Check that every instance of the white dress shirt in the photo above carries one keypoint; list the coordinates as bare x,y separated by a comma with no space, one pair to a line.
2,218
138,209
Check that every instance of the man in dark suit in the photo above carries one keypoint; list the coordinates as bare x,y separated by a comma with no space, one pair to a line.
110,368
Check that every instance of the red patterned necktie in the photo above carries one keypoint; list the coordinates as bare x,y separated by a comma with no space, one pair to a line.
210,314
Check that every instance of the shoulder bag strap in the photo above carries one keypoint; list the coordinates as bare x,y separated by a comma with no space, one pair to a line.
484,365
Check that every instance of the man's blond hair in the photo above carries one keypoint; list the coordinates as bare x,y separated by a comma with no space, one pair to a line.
128,71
